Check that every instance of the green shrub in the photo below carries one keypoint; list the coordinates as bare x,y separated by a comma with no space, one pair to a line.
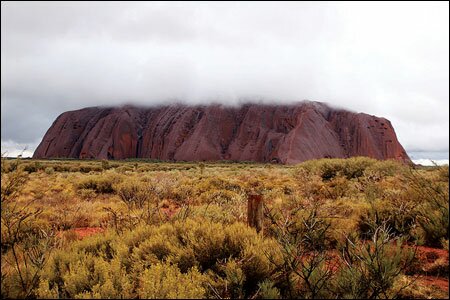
399,216
32,167
433,208
382,169
133,194
217,183
163,280
444,243
124,169
5,164
335,188
100,184
25,246
353,167
369,270
49,170
105,165
267,290
305,266
219,197
212,212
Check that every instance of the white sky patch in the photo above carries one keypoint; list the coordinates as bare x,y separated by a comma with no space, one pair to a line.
429,162
13,149
389,59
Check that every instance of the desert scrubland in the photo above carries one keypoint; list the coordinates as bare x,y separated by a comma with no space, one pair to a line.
331,228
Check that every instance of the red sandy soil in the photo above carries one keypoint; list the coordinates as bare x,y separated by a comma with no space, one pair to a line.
170,209
427,256
87,231
82,232
440,282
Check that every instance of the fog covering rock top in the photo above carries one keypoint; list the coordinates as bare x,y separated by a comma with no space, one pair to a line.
251,132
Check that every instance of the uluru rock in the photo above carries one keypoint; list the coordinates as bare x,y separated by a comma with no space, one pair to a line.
252,132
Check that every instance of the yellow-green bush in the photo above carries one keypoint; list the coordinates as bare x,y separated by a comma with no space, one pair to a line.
399,216
383,168
100,266
267,290
353,167
431,196
133,194
165,281
99,183
212,212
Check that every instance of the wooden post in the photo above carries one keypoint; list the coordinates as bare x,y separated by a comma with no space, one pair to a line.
255,212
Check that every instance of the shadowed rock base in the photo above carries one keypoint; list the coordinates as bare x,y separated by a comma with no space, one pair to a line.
252,132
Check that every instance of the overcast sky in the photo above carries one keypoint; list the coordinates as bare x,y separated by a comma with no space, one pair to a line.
386,59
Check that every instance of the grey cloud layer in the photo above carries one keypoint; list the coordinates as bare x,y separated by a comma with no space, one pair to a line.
389,60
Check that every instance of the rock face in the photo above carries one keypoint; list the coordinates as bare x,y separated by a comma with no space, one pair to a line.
252,132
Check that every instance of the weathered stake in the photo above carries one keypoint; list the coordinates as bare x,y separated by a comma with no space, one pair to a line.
255,212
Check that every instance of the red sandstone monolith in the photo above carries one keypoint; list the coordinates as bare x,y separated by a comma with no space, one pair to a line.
285,134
